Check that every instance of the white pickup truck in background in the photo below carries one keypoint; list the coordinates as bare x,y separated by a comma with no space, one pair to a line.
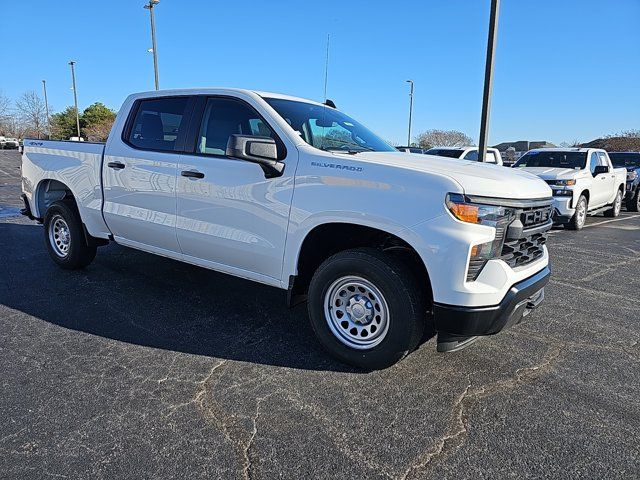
384,246
583,181
466,153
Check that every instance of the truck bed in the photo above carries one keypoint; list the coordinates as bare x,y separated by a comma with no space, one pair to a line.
74,164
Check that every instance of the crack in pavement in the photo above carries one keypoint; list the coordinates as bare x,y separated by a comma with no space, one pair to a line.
457,433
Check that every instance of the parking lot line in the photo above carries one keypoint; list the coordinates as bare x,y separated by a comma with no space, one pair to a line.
612,220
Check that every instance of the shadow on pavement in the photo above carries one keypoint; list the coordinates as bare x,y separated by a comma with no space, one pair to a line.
147,300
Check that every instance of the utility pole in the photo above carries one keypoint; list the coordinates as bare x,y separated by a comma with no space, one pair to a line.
75,96
488,80
46,106
410,82
149,6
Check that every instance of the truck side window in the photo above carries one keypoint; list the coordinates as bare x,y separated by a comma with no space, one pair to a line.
593,162
224,117
157,123
491,157
603,159
471,155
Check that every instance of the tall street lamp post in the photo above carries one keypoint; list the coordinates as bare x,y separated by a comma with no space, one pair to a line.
46,107
149,6
410,82
75,96
488,80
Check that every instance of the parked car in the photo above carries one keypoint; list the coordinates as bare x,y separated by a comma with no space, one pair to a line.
466,153
631,162
11,143
411,150
3,140
583,181
297,195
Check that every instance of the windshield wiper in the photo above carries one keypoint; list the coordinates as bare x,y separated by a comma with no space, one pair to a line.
351,151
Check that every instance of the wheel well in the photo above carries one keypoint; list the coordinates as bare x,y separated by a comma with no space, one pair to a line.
50,191
586,195
329,239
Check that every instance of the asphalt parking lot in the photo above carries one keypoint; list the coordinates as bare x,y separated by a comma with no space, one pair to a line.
142,367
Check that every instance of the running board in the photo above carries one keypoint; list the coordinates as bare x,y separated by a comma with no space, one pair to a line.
453,343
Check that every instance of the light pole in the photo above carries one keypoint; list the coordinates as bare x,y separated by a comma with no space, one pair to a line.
46,107
75,96
488,80
149,6
410,82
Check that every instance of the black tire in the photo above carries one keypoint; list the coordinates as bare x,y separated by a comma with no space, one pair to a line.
633,204
403,302
72,253
616,206
577,221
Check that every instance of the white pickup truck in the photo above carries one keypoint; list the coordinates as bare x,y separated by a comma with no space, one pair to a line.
466,153
385,247
583,181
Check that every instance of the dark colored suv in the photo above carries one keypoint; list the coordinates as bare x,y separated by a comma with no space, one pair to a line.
630,161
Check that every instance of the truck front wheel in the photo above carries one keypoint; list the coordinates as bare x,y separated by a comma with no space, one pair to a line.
64,237
633,203
366,308
580,216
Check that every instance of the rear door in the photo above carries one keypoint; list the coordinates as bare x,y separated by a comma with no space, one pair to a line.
139,174
231,217
610,179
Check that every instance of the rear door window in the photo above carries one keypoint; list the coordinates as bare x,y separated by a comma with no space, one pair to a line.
157,123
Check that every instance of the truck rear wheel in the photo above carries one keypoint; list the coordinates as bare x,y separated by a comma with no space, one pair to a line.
366,308
614,211
64,237
580,216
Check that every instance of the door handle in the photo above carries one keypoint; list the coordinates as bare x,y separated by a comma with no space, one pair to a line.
192,174
116,165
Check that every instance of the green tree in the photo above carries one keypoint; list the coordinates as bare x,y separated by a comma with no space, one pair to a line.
63,124
97,121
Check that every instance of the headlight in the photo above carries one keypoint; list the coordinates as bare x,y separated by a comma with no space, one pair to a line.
490,215
632,175
466,211
562,183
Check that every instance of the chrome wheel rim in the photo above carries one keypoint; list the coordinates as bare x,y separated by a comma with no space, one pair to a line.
356,312
59,236
582,212
618,205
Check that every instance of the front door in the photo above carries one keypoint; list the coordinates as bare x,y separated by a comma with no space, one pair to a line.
140,175
230,217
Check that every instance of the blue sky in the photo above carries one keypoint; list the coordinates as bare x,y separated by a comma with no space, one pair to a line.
564,69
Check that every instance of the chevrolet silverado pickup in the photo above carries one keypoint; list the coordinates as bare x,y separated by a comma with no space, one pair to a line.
466,153
583,181
386,248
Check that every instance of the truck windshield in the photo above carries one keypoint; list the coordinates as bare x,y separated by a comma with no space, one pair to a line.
445,152
625,159
553,160
326,128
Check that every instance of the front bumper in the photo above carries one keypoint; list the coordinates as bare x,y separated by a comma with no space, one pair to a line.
520,300
563,209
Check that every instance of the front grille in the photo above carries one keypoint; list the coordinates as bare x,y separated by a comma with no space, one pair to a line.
475,267
523,251
532,217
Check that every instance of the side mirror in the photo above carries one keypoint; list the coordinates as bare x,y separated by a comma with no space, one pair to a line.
600,169
260,150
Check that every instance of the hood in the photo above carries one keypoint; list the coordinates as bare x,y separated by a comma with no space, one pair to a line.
475,178
551,173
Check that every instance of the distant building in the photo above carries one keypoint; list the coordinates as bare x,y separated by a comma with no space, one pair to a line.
512,151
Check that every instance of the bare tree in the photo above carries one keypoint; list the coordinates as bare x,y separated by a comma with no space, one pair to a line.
443,138
5,118
32,112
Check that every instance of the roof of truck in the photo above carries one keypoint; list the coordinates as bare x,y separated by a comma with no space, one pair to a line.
569,149
221,90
